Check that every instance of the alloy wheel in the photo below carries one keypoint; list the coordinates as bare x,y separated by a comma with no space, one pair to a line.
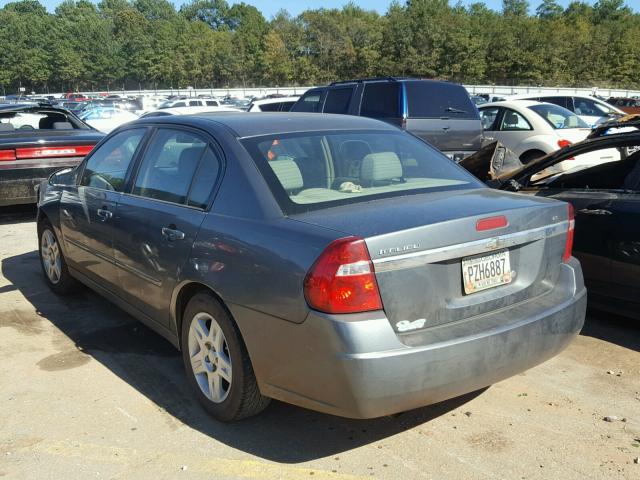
209,357
50,254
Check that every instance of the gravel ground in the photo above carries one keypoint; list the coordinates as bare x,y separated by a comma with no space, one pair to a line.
88,392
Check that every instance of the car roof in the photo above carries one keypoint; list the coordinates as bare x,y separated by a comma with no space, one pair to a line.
510,104
246,124
265,101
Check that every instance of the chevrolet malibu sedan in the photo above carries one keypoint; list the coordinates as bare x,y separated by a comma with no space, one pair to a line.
333,262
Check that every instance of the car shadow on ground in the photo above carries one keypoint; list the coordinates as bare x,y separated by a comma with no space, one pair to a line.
17,213
613,328
151,365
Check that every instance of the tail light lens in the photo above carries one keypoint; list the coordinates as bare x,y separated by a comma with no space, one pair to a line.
7,155
49,152
342,279
563,143
568,246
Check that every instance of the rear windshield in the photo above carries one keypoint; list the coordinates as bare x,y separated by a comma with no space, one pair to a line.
318,169
436,100
559,118
30,120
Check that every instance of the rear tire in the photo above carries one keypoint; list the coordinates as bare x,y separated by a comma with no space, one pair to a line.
52,261
217,363
527,157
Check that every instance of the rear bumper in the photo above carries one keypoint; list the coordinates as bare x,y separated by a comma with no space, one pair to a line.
358,367
18,186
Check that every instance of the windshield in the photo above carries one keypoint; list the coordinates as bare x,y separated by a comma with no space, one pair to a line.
559,118
314,169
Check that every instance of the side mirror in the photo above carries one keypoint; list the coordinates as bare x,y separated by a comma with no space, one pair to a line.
63,178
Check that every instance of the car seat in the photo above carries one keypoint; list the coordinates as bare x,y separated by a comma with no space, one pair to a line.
288,175
380,169
510,121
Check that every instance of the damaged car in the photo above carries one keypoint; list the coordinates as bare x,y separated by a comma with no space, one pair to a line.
606,199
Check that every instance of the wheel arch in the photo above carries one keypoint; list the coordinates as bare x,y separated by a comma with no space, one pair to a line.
529,152
181,296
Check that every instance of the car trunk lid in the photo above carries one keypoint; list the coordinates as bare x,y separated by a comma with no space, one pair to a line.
418,243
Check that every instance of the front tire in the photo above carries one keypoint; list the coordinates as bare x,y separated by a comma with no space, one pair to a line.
216,361
52,261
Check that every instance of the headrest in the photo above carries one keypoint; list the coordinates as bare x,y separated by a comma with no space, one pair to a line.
45,123
288,173
511,118
6,127
380,166
62,126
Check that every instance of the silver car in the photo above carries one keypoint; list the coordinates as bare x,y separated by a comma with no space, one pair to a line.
333,262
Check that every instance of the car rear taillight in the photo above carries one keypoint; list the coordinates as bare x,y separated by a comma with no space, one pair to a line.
50,152
564,143
7,155
342,279
568,246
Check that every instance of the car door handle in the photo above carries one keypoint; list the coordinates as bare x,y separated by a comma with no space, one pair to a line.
104,214
596,211
172,234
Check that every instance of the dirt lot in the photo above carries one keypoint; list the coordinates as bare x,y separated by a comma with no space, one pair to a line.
87,392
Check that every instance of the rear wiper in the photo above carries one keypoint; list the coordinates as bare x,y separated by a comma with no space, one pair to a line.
454,110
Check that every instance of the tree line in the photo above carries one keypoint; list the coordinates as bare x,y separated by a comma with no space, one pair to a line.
117,44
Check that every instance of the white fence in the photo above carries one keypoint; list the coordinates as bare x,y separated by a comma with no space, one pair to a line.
473,89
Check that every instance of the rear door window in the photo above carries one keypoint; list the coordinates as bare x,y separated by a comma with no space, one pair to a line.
211,103
310,102
512,121
381,100
204,180
169,165
437,99
488,116
338,100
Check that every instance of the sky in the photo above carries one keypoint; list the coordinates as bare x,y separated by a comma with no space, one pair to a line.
271,7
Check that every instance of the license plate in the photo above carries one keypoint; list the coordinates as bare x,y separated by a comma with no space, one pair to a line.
480,273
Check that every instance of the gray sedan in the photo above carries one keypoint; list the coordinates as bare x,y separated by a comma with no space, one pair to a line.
333,262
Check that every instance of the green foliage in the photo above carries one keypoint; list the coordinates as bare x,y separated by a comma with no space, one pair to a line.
148,43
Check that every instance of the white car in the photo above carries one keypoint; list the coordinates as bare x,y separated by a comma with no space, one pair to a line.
590,109
187,111
281,104
107,119
190,102
534,129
